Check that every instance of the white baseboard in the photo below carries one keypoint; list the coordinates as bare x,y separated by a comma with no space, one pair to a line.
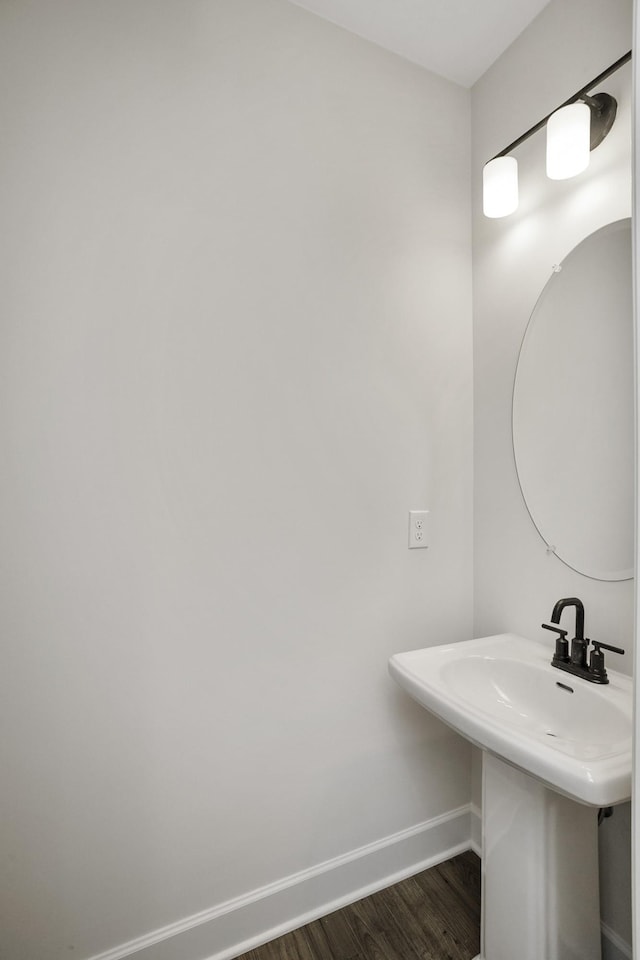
236,926
613,946
476,829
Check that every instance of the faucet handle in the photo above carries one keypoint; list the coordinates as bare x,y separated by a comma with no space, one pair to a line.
562,644
596,660
606,646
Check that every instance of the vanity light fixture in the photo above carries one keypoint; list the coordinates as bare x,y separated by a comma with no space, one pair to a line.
568,141
575,128
500,187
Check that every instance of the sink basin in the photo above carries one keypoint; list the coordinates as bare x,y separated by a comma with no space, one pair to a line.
502,693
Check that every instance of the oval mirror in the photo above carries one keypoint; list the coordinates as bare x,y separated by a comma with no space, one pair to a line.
573,433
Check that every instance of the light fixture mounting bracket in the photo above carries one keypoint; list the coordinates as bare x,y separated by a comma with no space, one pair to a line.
603,113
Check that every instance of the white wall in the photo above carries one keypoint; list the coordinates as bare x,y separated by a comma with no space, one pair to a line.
635,800
235,350
516,581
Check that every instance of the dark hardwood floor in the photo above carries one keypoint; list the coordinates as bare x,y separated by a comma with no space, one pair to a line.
432,916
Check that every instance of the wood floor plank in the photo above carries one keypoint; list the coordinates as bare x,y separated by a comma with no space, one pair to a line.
409,938
444,927
429,941
371,933
446,912
430,934
340,937
462,876
446,894
304,946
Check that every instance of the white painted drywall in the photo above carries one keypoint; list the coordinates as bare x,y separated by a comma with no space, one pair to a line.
235,350
516,582
635,800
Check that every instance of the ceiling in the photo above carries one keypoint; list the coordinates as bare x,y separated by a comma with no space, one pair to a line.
458,39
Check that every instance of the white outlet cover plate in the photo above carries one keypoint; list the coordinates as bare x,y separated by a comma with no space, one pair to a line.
418,529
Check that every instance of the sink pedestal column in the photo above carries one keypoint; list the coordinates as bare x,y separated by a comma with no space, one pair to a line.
540,897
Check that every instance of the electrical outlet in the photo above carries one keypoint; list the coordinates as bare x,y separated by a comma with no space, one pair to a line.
418,524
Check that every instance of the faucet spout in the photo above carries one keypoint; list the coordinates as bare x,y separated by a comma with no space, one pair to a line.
578,644
570,602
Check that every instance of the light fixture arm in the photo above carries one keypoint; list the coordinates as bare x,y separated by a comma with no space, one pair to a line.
603,109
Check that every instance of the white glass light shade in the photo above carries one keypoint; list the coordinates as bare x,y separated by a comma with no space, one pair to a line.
568,141
500,187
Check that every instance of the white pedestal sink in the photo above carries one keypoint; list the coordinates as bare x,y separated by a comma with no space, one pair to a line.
555,749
